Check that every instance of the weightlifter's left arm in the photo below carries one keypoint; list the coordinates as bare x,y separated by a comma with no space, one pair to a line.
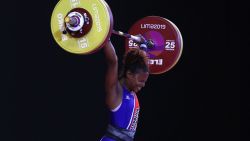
113,95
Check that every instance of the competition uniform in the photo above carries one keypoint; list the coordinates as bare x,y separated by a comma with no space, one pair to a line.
123,119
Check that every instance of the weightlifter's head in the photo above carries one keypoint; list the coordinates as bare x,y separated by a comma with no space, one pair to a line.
135,69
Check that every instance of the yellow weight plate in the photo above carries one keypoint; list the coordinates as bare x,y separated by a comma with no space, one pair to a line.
102,25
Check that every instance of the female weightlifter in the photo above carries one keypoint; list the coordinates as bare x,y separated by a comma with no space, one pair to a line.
121,90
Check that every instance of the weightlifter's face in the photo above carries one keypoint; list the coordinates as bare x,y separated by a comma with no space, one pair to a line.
138,80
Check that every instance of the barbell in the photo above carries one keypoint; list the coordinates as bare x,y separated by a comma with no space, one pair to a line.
84,26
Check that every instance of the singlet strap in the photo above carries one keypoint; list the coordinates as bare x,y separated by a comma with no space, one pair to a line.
117,108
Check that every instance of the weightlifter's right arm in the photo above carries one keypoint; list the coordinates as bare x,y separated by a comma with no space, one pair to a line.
113,96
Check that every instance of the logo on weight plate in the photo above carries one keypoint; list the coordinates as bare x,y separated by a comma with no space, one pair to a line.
97,17
158,62
74,3
61,25
153,26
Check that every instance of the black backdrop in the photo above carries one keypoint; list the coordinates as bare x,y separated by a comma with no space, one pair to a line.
57,96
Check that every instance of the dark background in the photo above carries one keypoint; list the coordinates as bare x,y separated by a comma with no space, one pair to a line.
57,96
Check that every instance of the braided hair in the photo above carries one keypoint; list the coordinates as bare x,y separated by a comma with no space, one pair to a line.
133,61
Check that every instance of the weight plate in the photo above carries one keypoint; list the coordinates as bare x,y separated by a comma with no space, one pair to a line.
102,25
167,38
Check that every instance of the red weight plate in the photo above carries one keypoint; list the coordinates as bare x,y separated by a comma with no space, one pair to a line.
167,40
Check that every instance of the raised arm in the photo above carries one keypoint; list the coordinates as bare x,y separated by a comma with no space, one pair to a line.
113,96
